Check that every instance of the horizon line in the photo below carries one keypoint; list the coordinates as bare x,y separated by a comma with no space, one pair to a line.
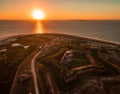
64,19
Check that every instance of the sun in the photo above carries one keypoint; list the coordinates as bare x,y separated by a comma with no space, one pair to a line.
38,15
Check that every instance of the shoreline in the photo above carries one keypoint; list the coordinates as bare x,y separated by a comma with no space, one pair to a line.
85,37
102,40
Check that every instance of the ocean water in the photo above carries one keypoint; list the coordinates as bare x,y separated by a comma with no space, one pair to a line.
105,30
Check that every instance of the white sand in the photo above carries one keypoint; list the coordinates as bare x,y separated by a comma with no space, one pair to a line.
26,47
3,50
16,44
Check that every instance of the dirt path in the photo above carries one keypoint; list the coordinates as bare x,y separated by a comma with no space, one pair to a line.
34,72
25,81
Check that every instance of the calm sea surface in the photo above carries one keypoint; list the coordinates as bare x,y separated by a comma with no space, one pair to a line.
106,30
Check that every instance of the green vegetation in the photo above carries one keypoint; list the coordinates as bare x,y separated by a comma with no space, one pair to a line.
58,54
13,57
9,63
79,62
59,73
66,76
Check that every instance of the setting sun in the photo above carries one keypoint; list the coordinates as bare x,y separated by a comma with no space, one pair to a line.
38,14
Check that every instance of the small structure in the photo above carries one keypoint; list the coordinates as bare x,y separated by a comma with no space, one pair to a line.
67,58
25,76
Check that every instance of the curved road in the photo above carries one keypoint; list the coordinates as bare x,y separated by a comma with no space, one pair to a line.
34,72
25,81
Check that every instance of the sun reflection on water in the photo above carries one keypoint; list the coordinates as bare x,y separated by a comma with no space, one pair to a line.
39,28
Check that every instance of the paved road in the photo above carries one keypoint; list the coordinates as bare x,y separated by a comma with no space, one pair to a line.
34,72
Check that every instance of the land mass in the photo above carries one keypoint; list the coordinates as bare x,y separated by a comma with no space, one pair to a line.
58,64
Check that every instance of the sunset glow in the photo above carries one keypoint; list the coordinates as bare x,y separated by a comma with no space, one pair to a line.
38,14
38,28
60,9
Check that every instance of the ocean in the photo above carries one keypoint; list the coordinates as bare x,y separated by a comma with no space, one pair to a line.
103,30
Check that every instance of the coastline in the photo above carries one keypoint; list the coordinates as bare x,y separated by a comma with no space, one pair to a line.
89,38
85,37
83,50
102,40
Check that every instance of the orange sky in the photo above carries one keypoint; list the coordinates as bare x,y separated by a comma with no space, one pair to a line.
61,9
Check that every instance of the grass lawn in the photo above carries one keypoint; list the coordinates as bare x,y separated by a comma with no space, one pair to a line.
78,63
